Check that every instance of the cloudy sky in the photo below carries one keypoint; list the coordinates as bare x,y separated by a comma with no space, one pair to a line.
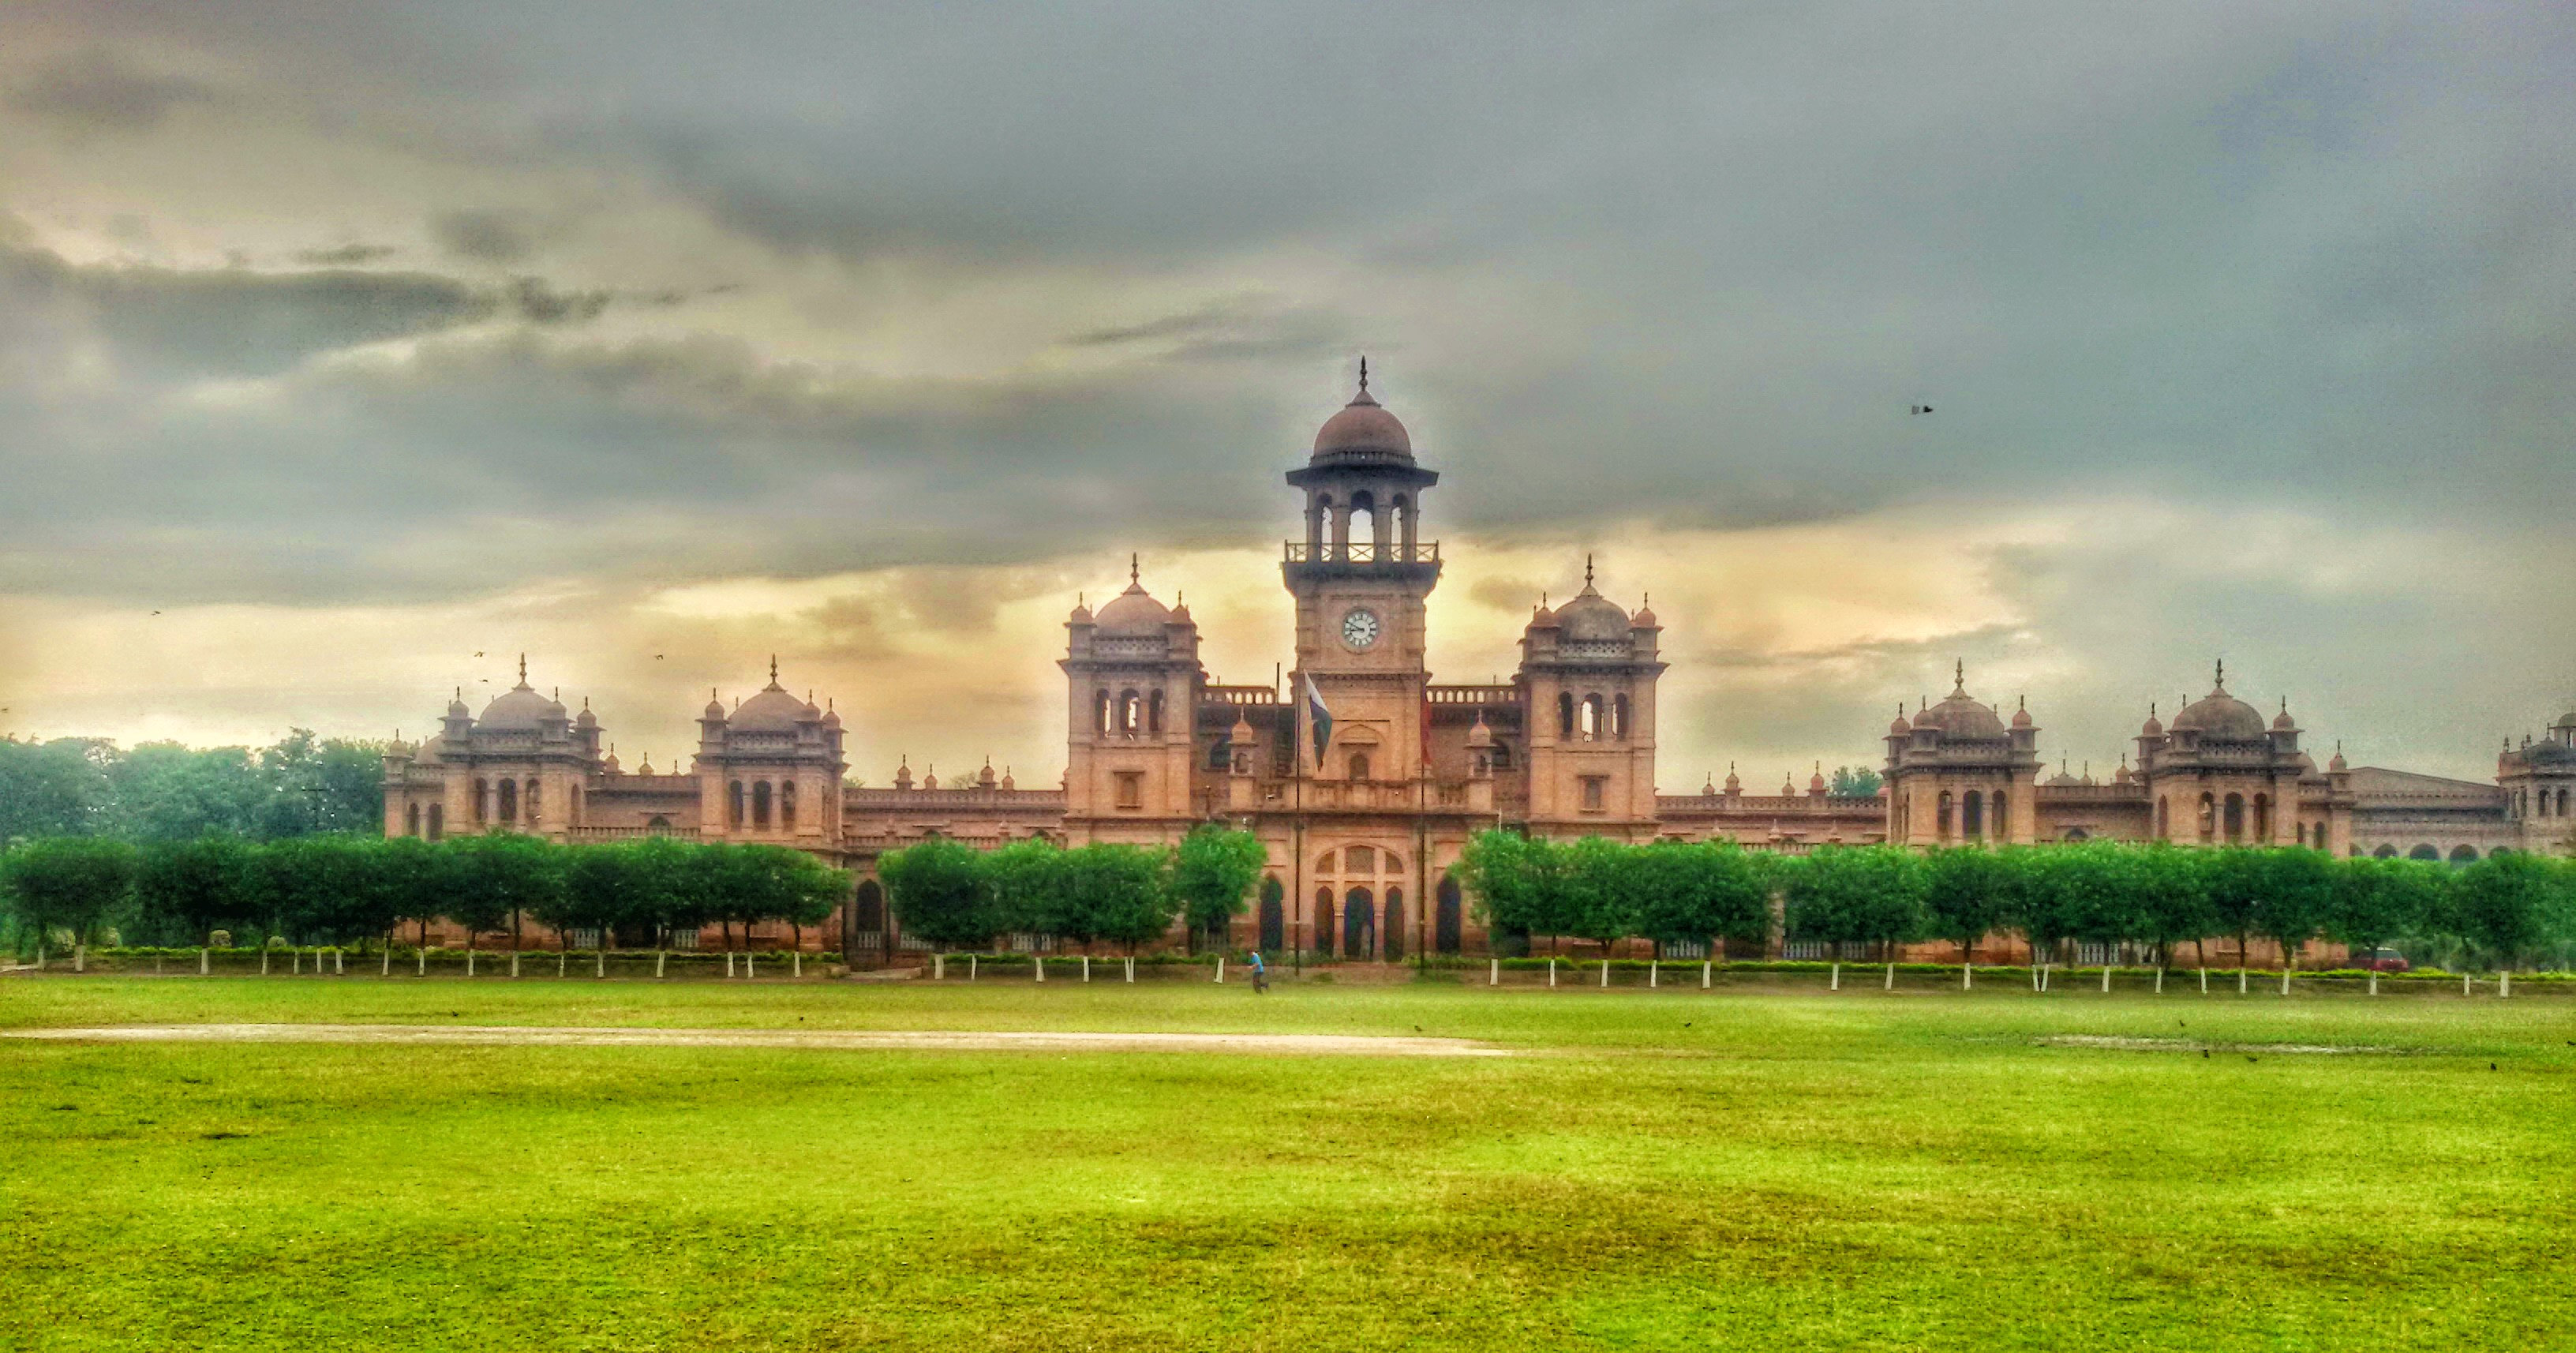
346,354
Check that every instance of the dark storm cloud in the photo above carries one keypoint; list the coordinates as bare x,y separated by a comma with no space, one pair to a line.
485,236
345,255
94,90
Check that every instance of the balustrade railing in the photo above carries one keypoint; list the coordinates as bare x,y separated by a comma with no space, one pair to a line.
1364,552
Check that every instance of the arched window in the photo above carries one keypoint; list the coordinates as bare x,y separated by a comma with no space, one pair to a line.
1565,714
1972,816
438,822
1316,519
1619,717
2384,853
509,802
867,910
536,802
733,804
1359,924
1131,712
2263,817
1359,766
1103,713
2562,803
787,805
2208,815
2424,853
2001,824
1323,922
2464,855
1364,504
1404,523
2164,819
411,820
1154,712
1391,948
1941,826
482,802
760,805
1588,718
1359,860
1274,918
658,823
1446,924
2235,817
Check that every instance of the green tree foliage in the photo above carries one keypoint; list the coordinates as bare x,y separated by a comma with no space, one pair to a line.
1512,881
2294,896
196,886
1032,890
939,892
2236,879
1854,781
1213,874
1597,891
2500,906
2173,897
2045,915
1864,895
1700,892
1124,892
67,883
301,786
1967,895
501,876
2374,901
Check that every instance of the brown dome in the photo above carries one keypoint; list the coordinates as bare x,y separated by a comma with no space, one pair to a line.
1592,616
773,710
518,707
1133,611
2221,716
1959,715
1363,425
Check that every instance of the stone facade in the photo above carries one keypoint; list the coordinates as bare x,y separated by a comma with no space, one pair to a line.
1365,777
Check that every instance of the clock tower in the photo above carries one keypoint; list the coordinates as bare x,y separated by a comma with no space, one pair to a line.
1361,578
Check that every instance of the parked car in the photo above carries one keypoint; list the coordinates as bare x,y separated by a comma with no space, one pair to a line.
2381,960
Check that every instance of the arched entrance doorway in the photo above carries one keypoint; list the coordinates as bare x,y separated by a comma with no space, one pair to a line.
1274,918
1323,935
1445,927
1392,948
1359,924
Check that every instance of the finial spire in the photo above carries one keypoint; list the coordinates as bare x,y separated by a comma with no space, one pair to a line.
1364,374
523,669
2222,673
1134,569
1959,672
1587,568
773,669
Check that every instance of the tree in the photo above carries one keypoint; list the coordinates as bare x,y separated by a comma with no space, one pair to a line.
325,889
70,883
166,792
1871,895
2236,883
198,886
1512,881
2497,906
1598,892
2295,896
1213,874
2098,889
1125,891
57,788
499,876
1031,890
2373,901
602,886
416,881
1859,782
1966,892
2038,909
322,786
939,892
1696,893
2173,899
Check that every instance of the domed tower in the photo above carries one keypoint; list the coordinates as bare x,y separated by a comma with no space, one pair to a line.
1958,775
2221,774
523,765
2539,783
1361,579
1588,669
1132,685
771,770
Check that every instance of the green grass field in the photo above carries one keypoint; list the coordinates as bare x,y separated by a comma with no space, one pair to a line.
1661,1170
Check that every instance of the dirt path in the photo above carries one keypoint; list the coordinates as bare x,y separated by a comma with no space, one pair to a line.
1272,1045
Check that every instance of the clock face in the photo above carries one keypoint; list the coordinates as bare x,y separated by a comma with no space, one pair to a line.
1360,629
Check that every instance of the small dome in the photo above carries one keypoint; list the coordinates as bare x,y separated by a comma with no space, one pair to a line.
1816,782
1732,783
1902,727
1363,430
2337,762
1959,715
2021,714
1788,788
586,719
518,707
1644,619
1081,614
2566,720
2153,727
1134,612
2222,717
608,764
2282,721
1480,735
1541,617
831,718
773,710
1593,616
715,708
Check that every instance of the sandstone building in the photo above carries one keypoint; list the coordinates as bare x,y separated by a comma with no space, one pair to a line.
1365,777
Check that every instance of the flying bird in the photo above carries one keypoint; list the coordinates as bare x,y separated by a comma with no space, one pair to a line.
1918,408
478,653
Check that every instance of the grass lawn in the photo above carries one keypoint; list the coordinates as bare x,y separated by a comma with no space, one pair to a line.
1661,1170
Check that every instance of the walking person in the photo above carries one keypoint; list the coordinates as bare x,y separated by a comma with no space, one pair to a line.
1260,973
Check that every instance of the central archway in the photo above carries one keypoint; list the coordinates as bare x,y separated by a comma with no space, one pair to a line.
1392,946
1359,924
1274,920
1445,936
